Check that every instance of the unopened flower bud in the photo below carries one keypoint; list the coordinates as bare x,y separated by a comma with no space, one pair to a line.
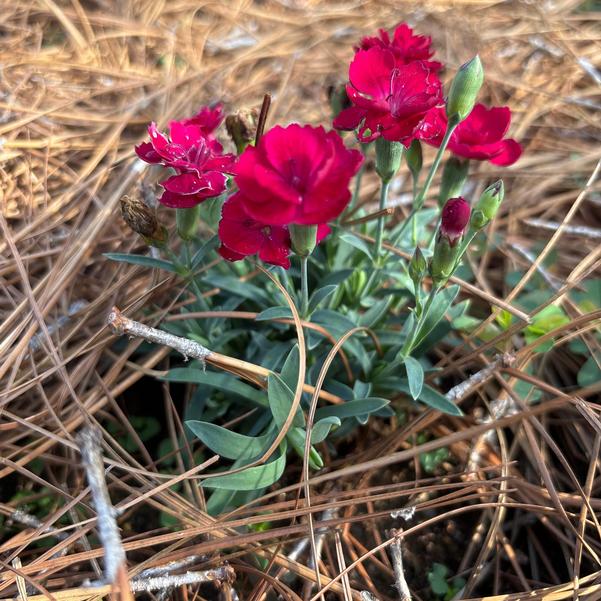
242,127
143,220
443,260
417,266
187,222
303,239
487,206
454,219
453,180
464,89
414,158
338,99
388,158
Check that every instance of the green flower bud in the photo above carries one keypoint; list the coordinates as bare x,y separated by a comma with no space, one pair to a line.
487,206
443,260
453,180
388,158
187,222
417,266
414,158
303,239
464,89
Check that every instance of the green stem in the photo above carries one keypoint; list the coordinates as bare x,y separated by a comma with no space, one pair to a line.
419,201
356,189
410,342
381,223
376,262
304,261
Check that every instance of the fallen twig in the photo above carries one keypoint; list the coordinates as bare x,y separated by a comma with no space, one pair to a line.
90,440
396,553
120,324
464,388
219,576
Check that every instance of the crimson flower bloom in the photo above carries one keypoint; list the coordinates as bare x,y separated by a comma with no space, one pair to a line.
405,45
194,154
208,119
480,136
296,174
389,100
454,219
241,235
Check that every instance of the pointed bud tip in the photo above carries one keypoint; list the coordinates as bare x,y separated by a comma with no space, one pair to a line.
464,89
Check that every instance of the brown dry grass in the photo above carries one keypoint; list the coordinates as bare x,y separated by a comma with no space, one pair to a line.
78,82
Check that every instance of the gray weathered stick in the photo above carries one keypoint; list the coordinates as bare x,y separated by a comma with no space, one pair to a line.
462,389
90,441
120,324
396,554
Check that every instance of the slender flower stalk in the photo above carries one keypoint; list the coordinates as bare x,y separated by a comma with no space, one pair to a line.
418,202
381,221
304,263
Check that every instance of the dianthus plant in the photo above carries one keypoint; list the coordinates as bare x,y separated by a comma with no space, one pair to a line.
307,310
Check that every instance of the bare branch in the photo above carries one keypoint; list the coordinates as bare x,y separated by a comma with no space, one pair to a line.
464,388
90,440
120,324
219,576
396,553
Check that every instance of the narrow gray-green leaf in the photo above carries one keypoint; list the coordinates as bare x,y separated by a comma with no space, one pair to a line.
142,260
320,295
274,313
322,428
375,312
219,380
280,402
438,401
357,242
351,408
441,304
289,373
228,444
251,478
415,376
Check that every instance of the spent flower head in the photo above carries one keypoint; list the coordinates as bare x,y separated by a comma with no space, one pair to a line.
143,220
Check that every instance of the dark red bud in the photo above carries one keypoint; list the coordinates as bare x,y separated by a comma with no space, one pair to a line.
455,218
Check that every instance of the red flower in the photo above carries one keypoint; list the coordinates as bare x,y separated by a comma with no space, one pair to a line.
195,156
455,218
208,119
479,136
241,235
389,100
296,174
405,46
